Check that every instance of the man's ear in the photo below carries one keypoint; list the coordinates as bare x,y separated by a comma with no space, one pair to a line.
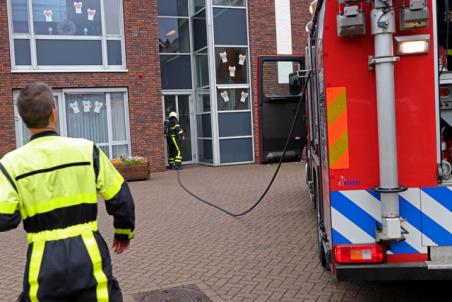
53,118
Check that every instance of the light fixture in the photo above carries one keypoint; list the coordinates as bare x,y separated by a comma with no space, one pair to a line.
171,33
312,7
416,15
413,45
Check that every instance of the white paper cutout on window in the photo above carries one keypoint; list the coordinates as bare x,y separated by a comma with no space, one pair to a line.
98,106
224,57
244,96
242,59
78,7
91,14
86,106
225,96
48,13
232,71
74,107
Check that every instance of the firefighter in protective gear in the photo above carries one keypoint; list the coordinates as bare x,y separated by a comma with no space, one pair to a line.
52,184
174,135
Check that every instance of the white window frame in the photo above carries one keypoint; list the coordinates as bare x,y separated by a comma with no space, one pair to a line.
61,93
32,37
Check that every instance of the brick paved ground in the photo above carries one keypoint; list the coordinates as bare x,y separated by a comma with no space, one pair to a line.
269,255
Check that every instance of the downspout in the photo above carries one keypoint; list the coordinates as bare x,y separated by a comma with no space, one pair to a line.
383,28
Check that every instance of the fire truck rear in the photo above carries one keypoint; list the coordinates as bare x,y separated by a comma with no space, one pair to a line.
380,137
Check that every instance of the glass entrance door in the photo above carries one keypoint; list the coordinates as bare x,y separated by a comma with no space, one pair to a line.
182,105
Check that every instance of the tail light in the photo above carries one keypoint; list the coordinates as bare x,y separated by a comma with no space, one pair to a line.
366,253
444,92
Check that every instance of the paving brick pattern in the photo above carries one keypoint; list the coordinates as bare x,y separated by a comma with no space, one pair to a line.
269,255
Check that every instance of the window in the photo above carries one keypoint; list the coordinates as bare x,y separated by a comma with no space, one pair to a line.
173,8
200,30
198,5
230,26
240,3
174,35
81,35
175,71
202,69
233,98
231,65
94,114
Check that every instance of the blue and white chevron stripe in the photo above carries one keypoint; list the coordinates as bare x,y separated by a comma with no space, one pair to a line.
426,213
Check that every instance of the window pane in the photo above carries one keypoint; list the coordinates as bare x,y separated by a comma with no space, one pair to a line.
231,65
173,7
170,105
22,52
121,150
175,72
234,124
233,99
205,150
118,117
112,17
69,52
83,120
199,30
204,125
236,150
63,17
198,4
276,77
240,3
174,35
230,26
20,16
203,101
114,51
184,120
202,70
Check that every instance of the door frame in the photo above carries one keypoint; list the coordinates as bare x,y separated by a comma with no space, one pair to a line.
193,128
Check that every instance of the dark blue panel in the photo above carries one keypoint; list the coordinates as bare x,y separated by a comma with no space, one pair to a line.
236,150
230,26
22,52
69,52
175,72
173,7
204,125
114,51
205,150
234,124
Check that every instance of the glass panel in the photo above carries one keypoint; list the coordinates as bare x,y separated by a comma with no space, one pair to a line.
22,52
205,150
82,118
174,35
202,70
240,3
203,101
114,51
175,72
121,150
200,30
234,124
118,117
64,17
236,150
170,105
230,26
173,7
276,77
20,16
184,120
198,4
233,99
231,65
204,125
69,52
112,17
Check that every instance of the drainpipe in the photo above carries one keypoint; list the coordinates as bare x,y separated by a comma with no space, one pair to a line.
383,28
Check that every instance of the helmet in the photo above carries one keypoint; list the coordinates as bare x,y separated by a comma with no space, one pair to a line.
172,114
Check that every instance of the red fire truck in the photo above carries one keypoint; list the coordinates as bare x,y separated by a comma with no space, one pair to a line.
380,138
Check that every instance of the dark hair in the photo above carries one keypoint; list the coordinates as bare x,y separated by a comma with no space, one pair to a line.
35,104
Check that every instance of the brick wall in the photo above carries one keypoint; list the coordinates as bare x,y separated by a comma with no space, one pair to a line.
145,104
262,32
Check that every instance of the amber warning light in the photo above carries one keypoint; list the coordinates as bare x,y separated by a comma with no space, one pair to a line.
369,253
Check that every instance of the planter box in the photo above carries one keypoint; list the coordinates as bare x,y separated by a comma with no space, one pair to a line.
135,171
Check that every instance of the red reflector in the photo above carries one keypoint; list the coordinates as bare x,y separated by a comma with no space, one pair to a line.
368,253
444,92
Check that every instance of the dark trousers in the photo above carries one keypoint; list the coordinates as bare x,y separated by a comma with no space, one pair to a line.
174,154
77,269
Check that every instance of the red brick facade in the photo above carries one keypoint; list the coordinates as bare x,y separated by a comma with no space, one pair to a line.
143,77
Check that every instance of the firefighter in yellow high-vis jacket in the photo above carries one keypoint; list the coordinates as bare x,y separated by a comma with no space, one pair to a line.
52,184
174,136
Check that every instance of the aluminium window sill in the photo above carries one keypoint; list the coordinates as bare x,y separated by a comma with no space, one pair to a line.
69,70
